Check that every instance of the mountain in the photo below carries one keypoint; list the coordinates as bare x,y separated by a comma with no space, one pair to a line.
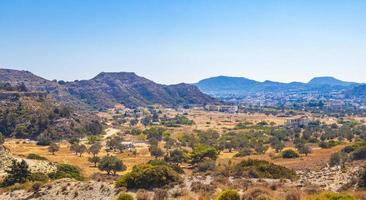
224,86
331,81
107,89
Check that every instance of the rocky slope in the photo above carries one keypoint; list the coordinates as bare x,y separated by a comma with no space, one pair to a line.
64,189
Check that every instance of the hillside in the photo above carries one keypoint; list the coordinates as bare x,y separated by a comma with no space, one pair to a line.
107,89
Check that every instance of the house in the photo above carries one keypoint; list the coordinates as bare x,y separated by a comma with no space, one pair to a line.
298,122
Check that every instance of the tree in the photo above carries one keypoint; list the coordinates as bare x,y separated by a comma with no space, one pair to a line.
111,164
81,149
156,151
306,149
95,148
18,173
94,159
53,148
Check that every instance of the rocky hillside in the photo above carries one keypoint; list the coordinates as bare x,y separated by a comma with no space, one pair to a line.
35,83
108,89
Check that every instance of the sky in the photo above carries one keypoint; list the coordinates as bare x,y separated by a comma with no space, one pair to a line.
173,41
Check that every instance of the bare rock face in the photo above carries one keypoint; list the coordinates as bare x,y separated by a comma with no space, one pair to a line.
5,161
66,189
42,166
330,178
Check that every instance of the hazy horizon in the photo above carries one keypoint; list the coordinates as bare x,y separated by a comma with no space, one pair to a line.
171,41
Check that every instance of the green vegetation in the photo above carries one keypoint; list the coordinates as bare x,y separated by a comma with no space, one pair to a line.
177,121
262,169
124,196
331,196
66,171
34,156
18,173
149,176
228,195
111,164
43,120
289,153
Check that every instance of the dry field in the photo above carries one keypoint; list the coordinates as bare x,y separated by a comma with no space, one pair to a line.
67,157
317,160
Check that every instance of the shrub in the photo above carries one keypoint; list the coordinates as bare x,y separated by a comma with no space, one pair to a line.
206,165
124,196
359,153
228,195
244,152
66,171
338,159
201,151
257,193
148,176
362,180
262,169
18,173
142,195
331,196
289,153
34,156
38,176
160,194
36,186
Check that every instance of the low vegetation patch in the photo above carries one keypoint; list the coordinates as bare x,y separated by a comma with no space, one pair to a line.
66,171
34,156
262,169
228,195
149,176
331,196
289,153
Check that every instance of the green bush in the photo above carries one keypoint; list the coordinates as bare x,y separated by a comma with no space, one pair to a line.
338,159
66,171
289,153
148,176
228,195
359,153
34,156
244,152
362,180
38,176
124,196
206,165
262,169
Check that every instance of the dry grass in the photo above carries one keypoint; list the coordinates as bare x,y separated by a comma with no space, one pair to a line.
67,157
314,161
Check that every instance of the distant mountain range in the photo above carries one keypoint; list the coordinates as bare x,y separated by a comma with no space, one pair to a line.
221,86
107,89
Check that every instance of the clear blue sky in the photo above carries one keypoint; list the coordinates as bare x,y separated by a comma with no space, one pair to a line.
176,41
